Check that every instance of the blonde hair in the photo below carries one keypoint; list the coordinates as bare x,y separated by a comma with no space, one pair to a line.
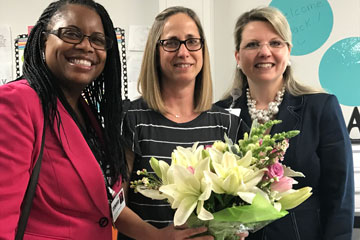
149,78
281,26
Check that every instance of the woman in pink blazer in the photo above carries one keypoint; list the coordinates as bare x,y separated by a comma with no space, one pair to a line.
71,79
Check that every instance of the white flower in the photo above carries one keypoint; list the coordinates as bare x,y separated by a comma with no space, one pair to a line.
187,156
189,191
145,180
235,177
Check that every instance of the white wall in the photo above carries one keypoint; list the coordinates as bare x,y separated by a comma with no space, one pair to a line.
21,13
225,16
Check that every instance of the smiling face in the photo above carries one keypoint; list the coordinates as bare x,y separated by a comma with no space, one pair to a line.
267,63
182,65
74,65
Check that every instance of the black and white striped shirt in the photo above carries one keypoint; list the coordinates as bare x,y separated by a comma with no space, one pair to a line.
150,134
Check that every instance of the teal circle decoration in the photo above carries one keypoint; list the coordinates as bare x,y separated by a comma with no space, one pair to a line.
311,23
339,71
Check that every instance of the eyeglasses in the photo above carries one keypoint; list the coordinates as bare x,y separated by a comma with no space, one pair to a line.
191,44
273,45
73,35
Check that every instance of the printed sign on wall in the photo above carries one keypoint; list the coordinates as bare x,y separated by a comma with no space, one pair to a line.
311,23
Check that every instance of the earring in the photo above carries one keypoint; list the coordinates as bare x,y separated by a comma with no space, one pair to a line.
238,66
289,63
43,55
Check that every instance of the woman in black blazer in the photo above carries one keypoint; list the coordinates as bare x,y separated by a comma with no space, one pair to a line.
264,88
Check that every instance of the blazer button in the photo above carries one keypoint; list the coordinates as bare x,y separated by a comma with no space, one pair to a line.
103,222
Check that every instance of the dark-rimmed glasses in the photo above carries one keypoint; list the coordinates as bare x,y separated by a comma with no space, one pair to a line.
172,45
73,35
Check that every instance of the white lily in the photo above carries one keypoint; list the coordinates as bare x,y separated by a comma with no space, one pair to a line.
215,155
187,156
189,191
235,177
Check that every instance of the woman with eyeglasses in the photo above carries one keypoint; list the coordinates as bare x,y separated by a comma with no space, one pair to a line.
264,88
72,82
175,108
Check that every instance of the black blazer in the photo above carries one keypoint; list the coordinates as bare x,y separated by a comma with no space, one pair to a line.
322,151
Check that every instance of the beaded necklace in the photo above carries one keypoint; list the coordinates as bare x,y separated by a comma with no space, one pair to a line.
264,115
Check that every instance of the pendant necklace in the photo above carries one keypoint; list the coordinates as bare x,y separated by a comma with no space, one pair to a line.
175,115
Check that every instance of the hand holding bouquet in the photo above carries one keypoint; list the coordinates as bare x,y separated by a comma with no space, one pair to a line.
227,187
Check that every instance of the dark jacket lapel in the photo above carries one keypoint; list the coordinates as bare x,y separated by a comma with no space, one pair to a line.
290,114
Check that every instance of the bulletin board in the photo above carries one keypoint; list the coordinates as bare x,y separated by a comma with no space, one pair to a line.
20,43
120,35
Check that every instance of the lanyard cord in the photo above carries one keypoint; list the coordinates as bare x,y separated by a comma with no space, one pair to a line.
107,185
92,139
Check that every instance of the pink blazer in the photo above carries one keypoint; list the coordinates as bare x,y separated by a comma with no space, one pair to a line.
70,200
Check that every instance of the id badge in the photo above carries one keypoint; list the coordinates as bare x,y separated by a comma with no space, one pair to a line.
118,204
234,111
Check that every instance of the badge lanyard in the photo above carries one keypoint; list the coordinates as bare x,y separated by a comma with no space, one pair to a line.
116,201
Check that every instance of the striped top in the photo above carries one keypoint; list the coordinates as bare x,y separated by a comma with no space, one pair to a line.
150,134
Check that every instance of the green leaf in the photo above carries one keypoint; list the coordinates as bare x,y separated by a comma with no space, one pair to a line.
260,210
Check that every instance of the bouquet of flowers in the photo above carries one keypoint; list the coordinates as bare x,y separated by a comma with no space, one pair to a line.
227,187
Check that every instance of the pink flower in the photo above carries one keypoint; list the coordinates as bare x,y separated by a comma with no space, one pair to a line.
275,170
274,150
282,185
